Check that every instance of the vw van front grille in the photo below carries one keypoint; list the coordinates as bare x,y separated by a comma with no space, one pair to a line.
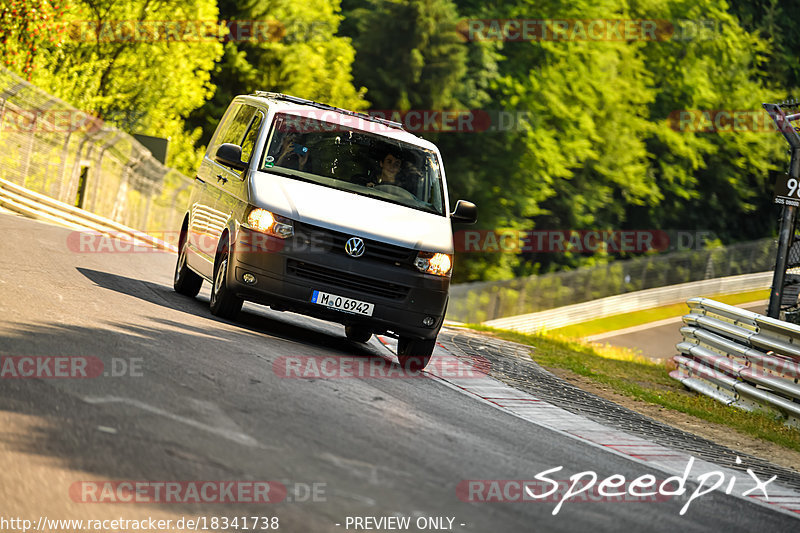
347,280
333,241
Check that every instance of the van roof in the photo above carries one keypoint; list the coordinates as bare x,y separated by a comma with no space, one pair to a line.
296,105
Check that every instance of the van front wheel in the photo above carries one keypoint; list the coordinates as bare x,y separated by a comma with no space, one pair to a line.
185,281
414,354
223,303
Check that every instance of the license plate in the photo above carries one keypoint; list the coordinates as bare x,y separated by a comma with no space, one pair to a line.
341,303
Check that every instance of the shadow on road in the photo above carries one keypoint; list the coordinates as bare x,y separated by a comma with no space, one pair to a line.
264,321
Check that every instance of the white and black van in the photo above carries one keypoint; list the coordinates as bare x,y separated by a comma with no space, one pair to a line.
334,214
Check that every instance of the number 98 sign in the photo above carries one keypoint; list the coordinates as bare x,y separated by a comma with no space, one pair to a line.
787,190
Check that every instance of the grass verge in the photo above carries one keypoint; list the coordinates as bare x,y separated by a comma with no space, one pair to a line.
626,320
637,377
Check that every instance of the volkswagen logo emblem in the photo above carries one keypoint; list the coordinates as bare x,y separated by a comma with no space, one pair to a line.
354,247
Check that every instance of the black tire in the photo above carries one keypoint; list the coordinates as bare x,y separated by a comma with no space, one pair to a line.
357,333
185,281
223,303
414,354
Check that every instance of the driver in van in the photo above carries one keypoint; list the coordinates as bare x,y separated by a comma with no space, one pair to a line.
390,172
390,168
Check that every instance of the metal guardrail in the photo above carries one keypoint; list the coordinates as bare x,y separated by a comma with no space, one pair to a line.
628,303
52,148
740,358
39,206
478,302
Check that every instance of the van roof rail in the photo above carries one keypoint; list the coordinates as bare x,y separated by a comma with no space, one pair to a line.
303,101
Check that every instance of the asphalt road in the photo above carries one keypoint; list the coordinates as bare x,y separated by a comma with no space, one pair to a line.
657,340
205,404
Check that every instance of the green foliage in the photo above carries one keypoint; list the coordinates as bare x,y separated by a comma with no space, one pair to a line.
26,26
307,59
409,53
595,144
146,83
777,22
718,180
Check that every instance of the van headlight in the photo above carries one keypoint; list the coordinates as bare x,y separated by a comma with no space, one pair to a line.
266,222
434,263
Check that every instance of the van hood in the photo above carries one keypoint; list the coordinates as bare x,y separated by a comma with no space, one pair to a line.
351,213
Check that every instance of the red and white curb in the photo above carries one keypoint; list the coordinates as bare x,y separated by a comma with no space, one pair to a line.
655,456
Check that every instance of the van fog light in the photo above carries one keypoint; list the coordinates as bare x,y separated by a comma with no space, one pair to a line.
428,321
249,278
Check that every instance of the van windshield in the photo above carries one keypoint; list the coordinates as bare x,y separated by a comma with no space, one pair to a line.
356,161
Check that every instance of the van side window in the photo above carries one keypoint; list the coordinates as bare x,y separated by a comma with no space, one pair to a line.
235,132
250,137
222,128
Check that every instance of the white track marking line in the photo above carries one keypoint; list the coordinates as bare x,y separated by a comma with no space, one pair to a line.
655,456
229,434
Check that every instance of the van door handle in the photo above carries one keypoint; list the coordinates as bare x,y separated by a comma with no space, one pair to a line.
222,178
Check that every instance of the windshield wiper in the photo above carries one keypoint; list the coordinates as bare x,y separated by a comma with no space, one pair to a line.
288,173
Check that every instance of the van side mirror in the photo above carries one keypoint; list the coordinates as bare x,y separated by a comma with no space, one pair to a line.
230,155
465,213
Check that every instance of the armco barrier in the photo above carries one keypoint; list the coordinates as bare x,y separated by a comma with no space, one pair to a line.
740,358
49,147
478,302
39,206
626,303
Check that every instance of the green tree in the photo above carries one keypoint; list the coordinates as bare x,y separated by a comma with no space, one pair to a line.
409,54
141,81
715,180
27,28
306,59
778,23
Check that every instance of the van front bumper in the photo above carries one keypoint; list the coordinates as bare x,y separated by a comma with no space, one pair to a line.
285,278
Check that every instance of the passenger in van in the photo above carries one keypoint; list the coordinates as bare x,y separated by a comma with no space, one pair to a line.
412,177
292,154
